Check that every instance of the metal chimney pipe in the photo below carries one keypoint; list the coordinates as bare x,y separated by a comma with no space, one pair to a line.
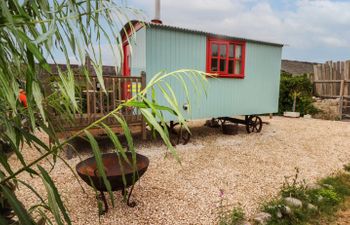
157,12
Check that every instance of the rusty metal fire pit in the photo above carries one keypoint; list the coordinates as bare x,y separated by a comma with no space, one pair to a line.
87,170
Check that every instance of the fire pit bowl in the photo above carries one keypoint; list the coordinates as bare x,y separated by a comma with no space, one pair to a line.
87,170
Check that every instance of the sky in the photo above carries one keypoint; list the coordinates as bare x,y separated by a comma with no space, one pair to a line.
311,30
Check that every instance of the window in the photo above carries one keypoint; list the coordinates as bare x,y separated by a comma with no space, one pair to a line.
225,57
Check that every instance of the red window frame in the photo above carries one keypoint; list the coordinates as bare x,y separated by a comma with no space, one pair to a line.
225,73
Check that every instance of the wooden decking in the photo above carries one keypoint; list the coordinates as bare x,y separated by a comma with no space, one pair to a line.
95,103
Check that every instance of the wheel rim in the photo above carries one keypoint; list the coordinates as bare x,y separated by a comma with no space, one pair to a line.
254,124
186,136
179,136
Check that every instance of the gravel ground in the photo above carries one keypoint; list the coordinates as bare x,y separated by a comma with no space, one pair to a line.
249,168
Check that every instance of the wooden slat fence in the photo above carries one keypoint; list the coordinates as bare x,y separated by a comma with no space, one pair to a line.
332,80
95,103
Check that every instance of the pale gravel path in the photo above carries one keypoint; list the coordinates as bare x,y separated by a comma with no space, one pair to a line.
250,169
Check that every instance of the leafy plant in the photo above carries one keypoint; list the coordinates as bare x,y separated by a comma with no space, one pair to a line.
33,32
296,94
324,199
330,196
234,216
347,167
5,206
294,188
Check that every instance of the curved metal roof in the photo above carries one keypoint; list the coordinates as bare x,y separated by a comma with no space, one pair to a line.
168,27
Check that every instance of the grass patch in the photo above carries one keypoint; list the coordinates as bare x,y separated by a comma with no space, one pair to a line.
347,167
234,217
322,200
319,204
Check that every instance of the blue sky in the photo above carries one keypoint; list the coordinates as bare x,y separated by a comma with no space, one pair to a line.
312,30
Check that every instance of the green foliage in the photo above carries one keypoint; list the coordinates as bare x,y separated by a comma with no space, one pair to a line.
5,206
294,188
33,32
229,217
234,217
330,196
327,198
302,87
280,216
339,183
347,167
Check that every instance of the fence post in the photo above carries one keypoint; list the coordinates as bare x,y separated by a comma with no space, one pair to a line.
143,127
341,99
89,66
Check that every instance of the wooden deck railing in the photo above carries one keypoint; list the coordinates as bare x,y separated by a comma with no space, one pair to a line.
95,103
335,89
331,88
332,80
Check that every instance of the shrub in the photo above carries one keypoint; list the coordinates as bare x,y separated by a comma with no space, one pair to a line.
340,184
347,167
293,187
234,217
329,196
302,85
229,217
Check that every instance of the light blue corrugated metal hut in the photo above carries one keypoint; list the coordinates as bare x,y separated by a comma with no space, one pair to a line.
249,70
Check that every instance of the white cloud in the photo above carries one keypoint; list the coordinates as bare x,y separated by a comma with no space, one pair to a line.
334,42
315,30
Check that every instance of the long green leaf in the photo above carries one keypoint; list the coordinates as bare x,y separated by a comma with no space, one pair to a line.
119,150
99,164
38,97
161,132
17,206
55,201
138,104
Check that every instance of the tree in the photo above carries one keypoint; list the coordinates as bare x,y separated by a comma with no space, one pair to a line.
296,94
34,32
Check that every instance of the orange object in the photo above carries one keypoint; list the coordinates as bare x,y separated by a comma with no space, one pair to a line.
23,97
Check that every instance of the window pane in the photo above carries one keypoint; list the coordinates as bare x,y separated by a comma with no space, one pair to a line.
230,67
231,51
223,51
238,51
214,65
238,67
214,50
222,65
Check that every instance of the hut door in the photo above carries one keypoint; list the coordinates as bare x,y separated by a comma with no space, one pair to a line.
126,85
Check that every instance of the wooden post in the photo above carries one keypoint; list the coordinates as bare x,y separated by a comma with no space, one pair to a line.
327,76
342,84
331,74
315,89
347,77
341,99
143,128
89,65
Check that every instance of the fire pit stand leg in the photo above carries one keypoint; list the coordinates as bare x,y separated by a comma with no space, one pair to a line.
130,204
103,198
